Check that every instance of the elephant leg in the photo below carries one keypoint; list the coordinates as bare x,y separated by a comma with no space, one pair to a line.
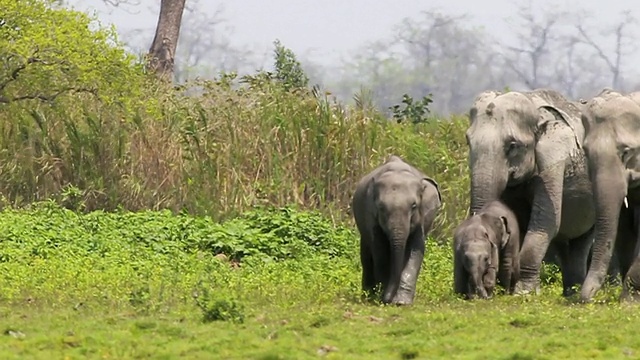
381,256
509,269
631,280
625,242
407,289
543,226
460,275
368,276
631,283
628,248
613,273
573,257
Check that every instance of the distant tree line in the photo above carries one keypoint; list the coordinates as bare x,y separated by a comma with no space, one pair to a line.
433,53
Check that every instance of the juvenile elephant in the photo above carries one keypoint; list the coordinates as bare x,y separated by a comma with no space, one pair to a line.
525,149
612,144
486,242
394,207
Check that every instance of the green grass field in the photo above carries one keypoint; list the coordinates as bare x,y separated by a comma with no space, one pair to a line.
148,285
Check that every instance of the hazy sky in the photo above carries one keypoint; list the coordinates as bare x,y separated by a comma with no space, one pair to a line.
325,30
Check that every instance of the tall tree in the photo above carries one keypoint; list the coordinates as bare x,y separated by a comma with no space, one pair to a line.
163,48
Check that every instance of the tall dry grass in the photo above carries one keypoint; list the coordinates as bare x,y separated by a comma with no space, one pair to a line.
218,153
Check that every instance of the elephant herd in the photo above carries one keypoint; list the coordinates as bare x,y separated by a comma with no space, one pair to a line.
547,173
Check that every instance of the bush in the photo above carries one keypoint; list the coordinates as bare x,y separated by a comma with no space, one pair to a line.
269,233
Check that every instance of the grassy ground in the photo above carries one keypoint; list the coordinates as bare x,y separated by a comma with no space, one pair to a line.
543,328
124,286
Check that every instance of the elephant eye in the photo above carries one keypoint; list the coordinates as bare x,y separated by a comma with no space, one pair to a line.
513,146
414,206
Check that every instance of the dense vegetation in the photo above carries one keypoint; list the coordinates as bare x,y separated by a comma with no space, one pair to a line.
212,219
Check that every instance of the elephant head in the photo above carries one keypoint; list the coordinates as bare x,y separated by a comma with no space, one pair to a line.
501,139
478,242
612,146
399,206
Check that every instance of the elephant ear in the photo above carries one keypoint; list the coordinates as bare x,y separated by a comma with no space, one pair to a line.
426,181
549,113
629,156
372,196
500,227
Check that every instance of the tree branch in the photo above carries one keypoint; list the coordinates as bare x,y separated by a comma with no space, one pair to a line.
22,66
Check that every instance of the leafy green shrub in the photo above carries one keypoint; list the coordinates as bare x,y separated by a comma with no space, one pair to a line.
274,234
284,226
414,112
288,68
218,309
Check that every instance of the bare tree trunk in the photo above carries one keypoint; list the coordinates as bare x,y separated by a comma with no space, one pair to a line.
163,48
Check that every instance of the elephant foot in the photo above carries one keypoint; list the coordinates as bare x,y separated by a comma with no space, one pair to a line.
590,287
569,292
630,293
527,288
402,299
630,296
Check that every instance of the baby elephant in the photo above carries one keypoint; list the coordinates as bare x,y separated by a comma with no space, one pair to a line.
486,242
394,207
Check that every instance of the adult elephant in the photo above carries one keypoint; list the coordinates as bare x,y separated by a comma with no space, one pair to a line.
612,144
525,149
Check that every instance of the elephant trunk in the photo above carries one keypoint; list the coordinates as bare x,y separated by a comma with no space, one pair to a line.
609,190
398,239
487,182
478,280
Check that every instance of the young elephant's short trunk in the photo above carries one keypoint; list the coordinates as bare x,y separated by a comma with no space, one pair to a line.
479,285
476,272
398,240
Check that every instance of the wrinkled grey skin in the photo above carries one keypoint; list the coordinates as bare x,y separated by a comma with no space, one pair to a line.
394,207
612,143
485,243
525,149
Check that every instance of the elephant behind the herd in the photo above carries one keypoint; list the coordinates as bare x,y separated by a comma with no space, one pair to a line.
612,142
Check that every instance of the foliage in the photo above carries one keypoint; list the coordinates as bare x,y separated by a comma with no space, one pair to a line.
131,285
287,69
211,147
271,234
47,52
414,112
220,309
242,243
